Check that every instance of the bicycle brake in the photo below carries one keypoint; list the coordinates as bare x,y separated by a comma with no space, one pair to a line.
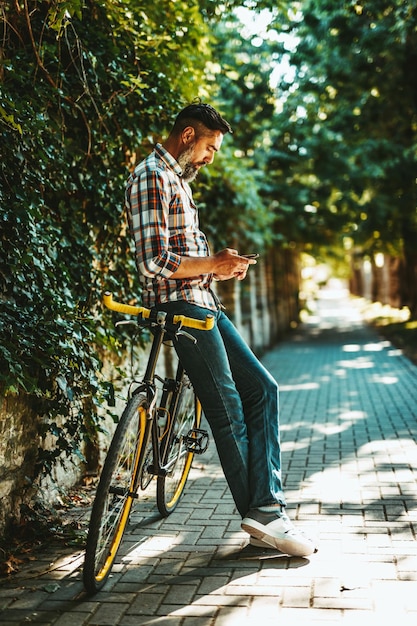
126,323
185,334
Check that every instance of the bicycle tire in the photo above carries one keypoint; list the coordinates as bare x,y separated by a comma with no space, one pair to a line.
187,417
115,494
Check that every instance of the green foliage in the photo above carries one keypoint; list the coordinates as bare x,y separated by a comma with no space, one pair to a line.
84,86
237,198
232,212
350,119
347,144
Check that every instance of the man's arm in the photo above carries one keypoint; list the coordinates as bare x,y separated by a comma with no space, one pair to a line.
148,209
224,265
147,204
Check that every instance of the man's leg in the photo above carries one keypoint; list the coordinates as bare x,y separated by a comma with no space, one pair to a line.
240,400
258,391
207,365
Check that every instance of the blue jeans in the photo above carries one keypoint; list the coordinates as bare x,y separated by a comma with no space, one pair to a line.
240,401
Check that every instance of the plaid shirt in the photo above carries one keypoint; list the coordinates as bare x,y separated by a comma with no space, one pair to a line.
163,221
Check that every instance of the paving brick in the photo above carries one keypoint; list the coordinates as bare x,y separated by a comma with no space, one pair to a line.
108,614
349,445
72,618
298,597
23,616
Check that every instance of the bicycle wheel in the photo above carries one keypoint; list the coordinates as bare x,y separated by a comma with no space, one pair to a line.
115,494
187,417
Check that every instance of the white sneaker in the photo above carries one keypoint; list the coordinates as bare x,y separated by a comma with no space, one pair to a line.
275,529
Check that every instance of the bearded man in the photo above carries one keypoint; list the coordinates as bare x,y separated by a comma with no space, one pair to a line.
238,395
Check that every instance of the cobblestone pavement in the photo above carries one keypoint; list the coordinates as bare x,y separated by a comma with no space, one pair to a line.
348,413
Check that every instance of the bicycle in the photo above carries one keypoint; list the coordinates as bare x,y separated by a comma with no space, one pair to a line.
157,435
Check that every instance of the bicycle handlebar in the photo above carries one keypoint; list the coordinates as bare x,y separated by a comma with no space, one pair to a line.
129,309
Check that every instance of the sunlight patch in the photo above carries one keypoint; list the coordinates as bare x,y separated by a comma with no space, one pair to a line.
384,380
299,387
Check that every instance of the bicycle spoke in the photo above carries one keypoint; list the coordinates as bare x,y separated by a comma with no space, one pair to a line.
187,417
115,494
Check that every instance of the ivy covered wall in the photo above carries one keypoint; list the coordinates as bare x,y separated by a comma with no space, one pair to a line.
86,88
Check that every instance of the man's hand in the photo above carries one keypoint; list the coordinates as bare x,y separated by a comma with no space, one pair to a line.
229,264
223,265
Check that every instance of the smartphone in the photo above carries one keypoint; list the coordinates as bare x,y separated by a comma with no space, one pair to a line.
250,256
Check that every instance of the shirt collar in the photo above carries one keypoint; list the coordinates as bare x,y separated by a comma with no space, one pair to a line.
168,159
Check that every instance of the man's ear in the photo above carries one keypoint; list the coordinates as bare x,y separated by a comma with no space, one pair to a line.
188,134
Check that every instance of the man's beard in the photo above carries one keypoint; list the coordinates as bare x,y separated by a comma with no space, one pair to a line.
189,169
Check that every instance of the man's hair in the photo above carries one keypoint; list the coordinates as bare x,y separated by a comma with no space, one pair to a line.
201,117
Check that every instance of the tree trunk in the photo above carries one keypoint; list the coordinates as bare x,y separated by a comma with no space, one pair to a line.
409,289
409,283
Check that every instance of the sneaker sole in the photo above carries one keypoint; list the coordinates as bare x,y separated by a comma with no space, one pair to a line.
258,543
283,544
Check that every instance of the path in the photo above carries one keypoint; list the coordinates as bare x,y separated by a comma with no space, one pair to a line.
349,438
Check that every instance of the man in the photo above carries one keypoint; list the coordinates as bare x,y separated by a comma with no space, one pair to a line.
238,395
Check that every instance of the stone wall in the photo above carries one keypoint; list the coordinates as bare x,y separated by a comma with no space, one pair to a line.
18,448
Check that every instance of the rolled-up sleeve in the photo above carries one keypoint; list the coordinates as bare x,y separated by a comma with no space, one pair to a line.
148,213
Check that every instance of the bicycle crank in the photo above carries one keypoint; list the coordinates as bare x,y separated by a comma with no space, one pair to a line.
197,441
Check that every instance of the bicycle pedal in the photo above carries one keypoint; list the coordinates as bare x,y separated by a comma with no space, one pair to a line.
197,441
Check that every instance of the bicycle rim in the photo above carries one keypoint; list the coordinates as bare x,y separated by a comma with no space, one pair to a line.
115,494
187,417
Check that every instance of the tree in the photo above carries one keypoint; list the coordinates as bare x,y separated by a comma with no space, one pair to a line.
233,188
350,119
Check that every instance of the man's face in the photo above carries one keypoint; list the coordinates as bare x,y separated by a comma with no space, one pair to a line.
199,152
